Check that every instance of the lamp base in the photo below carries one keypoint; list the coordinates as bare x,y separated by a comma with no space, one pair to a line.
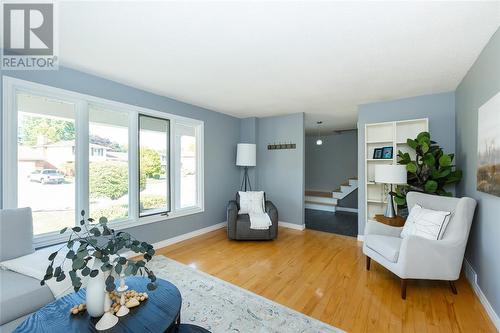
390,212
246,181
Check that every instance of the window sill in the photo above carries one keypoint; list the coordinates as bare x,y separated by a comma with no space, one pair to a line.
55,237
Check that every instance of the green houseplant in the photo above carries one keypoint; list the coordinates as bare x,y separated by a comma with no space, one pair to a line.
95,242
431,171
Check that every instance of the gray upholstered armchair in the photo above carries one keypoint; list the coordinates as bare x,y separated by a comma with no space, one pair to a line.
238,226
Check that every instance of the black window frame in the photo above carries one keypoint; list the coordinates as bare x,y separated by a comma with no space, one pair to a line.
168,170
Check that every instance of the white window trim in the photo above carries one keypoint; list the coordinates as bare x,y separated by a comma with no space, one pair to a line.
9,167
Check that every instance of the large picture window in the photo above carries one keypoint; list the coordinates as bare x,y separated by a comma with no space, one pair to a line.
186,159
45,160
64,152
108,164
154,194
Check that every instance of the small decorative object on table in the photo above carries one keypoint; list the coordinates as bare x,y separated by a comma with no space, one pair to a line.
78,308
94,244
109,319
122,310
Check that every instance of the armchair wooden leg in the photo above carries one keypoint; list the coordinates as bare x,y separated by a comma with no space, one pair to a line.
368,260
403,288
453,287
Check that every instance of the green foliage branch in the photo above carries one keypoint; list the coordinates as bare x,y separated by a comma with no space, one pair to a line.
430,172
96,240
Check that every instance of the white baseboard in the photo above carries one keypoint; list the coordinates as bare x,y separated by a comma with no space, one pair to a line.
347,209
361,238
292,225
471,275
326,208
180,238
183,237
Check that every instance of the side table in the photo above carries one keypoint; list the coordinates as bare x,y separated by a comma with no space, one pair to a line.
160,313
397,221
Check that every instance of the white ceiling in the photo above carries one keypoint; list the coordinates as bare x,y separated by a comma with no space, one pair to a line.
271,58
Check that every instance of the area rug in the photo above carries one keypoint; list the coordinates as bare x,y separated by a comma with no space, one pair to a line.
221,307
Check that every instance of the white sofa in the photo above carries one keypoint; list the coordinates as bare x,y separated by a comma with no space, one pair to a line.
415,257
20,295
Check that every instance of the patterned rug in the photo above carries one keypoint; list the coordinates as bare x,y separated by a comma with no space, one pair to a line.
223,307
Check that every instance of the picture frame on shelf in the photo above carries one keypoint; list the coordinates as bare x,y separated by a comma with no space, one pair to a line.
387,153
377,153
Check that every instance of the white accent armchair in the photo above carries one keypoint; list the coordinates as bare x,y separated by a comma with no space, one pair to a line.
415,257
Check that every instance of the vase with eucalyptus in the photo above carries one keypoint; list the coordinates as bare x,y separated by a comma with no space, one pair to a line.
430,171
96,251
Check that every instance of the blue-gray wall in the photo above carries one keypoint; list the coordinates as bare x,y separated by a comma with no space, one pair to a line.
439,108
332,163
248,134
281,172
483,251
222,132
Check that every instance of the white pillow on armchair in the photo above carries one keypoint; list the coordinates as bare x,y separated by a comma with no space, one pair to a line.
426,223
251,202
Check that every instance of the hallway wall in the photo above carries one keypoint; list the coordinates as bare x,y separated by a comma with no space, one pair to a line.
332,163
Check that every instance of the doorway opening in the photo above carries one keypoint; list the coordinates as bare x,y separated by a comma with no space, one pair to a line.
331,196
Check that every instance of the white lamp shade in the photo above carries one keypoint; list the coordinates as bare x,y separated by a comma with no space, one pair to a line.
245,154
391,174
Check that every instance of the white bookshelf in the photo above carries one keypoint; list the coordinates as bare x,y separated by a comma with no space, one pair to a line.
388,134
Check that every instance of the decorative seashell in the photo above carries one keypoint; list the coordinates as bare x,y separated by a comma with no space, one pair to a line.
132,303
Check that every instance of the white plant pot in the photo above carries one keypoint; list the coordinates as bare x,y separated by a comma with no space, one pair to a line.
96,291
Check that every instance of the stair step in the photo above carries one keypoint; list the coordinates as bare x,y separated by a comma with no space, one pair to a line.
329,200
321,203
346,188
319,194
338,195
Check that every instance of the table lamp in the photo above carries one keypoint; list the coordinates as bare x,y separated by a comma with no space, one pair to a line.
246,157
390,174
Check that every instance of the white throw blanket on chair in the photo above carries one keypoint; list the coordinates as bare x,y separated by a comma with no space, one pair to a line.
252,203
259,221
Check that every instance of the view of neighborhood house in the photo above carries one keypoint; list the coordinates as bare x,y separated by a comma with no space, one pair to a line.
46,164
45,126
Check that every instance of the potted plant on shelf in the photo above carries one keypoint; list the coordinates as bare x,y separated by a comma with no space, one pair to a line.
430,172
94,251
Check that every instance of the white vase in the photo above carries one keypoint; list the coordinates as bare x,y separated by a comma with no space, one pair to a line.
96,292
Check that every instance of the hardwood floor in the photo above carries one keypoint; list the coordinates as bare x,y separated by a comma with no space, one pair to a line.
324,276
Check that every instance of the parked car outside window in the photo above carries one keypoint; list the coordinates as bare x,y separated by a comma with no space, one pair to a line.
46,176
